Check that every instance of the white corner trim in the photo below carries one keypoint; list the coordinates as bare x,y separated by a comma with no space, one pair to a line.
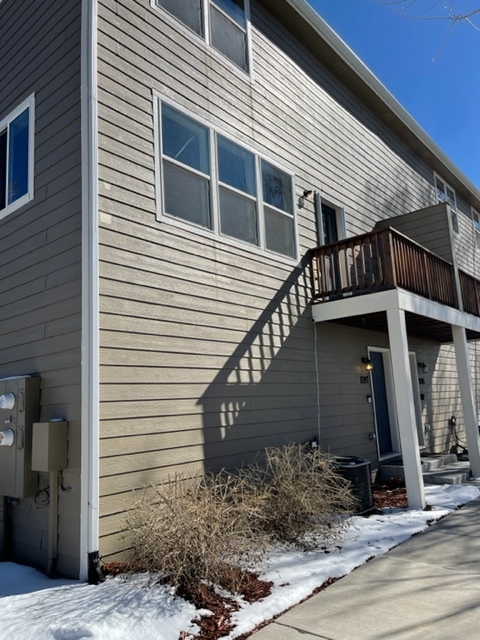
90,410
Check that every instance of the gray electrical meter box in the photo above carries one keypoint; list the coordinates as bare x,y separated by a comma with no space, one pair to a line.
49,445
19,409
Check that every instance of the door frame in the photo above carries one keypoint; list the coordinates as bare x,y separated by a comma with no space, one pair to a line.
391,404
417,399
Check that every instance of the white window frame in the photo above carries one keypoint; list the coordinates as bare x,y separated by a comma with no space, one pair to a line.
206,38
29,104
476,226
453,207
162,216
340,215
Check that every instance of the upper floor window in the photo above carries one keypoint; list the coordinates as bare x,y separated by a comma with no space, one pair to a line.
16,157
476,220
476,226
215,183
222,23
445,193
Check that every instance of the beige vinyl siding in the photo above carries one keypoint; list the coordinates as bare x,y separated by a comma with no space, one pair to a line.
429,227
466,251
207,350
40,251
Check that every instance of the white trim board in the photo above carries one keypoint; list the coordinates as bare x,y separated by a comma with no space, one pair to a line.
392,299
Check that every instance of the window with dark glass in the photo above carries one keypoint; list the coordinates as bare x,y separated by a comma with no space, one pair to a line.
227,20
237,191
278,210
253,199
446,194
187,11
14,159
186,168
228,26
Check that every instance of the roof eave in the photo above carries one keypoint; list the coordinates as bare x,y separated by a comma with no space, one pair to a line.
345,64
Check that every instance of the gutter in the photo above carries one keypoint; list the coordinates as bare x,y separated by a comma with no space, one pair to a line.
343,51
90,404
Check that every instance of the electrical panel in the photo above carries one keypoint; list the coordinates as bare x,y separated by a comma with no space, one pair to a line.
19,409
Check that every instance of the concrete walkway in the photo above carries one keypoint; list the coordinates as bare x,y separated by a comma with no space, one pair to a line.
428,588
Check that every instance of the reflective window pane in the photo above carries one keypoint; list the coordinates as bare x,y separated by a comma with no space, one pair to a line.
18,158
277,187
236,166
185,140
187,195
229,39
279,233
234,8
3,169
441,195
238,216
451,197
187,11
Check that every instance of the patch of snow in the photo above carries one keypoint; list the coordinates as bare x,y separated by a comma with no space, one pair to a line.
70,610
36,608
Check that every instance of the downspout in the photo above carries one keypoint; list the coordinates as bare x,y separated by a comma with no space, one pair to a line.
89,511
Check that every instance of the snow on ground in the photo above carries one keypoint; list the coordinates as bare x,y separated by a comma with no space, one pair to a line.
36,608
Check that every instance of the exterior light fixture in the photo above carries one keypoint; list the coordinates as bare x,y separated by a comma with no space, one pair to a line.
367,363
306,195
423,367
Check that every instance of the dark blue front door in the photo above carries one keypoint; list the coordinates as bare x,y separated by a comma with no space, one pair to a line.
384,432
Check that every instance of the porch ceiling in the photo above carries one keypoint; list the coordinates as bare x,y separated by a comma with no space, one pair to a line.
418,326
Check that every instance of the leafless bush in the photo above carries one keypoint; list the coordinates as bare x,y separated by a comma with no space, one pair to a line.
198,530
306,498
211,529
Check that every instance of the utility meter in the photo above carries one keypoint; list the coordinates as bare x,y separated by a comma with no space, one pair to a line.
19,409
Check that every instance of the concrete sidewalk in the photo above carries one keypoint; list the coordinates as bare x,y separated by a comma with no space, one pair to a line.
428,588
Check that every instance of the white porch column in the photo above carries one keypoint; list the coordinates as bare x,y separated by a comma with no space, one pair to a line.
466,394
397,335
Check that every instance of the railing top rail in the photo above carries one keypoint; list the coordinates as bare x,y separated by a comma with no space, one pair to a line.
350,239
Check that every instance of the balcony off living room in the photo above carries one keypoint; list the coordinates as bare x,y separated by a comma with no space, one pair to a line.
434,291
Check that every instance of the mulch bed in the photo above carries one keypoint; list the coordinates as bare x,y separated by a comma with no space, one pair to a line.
219,623
392,494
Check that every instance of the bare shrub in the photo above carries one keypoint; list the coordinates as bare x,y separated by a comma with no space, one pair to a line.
198,530
306,500
212,529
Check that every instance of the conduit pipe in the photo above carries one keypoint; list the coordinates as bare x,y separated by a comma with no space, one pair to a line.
52,525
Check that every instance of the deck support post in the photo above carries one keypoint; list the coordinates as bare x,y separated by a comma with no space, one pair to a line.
466,394
405,407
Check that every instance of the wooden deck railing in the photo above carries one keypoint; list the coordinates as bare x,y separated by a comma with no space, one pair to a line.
470,290
383,259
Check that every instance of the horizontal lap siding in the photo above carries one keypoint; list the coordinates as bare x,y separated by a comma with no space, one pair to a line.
429,227
40,249
207,350
465,242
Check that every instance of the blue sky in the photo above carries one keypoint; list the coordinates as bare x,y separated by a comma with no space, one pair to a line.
438,85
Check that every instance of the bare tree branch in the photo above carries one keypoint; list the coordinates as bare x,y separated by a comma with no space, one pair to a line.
452,11
440,10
